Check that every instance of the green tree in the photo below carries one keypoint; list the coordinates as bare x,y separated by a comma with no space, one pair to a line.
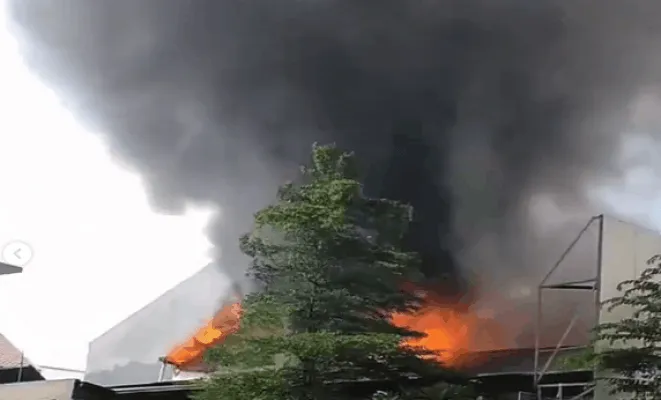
330,266
628,350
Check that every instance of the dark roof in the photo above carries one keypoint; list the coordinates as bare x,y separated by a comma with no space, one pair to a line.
520,360
10,356
167,390
574,382
154,386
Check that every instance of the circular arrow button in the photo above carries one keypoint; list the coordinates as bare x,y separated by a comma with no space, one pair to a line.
17,253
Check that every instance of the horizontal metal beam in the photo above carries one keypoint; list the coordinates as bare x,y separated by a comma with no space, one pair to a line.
572,384
581,285
570,286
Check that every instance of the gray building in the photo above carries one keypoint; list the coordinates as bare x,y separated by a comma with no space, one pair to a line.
129,352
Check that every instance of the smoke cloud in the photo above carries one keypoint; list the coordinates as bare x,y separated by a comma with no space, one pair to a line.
487,116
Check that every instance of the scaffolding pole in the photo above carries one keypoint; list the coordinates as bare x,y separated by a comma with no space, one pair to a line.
19,378
558,346
586,284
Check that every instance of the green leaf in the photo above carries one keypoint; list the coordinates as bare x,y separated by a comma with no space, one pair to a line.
331,269
630,348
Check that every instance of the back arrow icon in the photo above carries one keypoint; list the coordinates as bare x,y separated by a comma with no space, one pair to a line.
17,253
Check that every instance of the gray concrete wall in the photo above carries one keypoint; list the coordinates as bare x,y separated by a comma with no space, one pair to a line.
128,353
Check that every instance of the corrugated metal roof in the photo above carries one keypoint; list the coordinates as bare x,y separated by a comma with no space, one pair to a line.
10,356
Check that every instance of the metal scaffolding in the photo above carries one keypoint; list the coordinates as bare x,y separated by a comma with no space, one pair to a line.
591,284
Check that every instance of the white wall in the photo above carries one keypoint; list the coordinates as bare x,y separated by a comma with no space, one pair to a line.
625,251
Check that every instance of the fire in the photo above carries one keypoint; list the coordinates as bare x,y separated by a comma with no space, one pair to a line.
453,331
447,332
224,323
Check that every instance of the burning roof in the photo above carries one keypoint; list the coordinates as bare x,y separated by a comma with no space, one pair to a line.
189,354
454,330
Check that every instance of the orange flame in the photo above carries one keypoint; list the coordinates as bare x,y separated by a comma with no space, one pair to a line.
453,331
190,353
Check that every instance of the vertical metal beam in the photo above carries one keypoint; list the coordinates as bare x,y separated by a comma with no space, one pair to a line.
541,286
20,369
538,327
597,284
161,373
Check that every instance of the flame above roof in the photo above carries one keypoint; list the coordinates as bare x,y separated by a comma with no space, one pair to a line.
189,354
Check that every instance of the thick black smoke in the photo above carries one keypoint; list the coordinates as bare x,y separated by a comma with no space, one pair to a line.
467,109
